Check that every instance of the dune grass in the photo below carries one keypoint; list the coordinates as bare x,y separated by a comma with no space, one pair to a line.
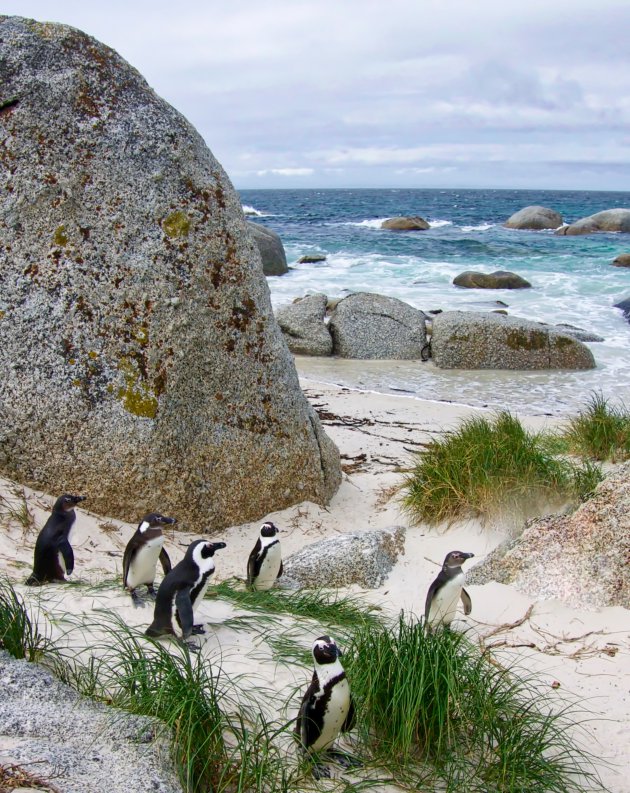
431,705
601,431
19,635
485,465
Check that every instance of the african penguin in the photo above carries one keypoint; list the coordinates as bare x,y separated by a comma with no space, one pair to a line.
445,592
264,565
326,708
142,553
182,589
53,556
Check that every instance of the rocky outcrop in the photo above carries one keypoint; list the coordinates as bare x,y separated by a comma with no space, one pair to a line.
606,221
270,247
405,224
534,218
361,558
624,305
50,730
580,558
623,260
303,326
501,279
577,333
471,340
373,326
141,362
312,258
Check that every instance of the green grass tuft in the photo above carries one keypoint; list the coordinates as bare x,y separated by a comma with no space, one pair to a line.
19,635
601,431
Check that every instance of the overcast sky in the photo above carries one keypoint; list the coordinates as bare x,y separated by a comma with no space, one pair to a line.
404,93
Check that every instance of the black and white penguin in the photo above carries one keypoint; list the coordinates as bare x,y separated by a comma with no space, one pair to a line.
264,565
53,556
326,708
142,553
182,589
445,592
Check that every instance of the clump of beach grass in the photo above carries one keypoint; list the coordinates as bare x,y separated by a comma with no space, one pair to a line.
601,431
19,634
485,465
431,706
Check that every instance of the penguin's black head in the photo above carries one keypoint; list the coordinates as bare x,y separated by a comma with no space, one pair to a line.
208,548
268,529
456,558
325,650
67,502
154,520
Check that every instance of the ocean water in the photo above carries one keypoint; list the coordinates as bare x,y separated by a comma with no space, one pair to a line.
573,281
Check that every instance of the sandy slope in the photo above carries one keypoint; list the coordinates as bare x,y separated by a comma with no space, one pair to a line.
586,653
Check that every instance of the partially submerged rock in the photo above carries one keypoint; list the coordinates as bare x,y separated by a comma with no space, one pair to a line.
500,279
141,362
610,220
303,326
624,305
361,558
623,260
405,224
472,340
270,247
535,218
580,558
311,258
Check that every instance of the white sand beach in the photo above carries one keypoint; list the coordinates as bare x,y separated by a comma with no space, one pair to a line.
578,655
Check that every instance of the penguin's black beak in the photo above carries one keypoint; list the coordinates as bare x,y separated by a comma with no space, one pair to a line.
216,546
468,555
79,499
169,521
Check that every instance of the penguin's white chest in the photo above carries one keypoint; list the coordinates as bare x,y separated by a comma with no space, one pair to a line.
269,568
444,603
142,568
334,716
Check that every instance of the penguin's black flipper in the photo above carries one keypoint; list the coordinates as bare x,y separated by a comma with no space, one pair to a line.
430,594
68,556
184,612
280,571
253,563
165,561
466,601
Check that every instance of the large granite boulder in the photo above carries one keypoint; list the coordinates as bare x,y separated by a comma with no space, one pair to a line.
141,362
473,340
361,558
365,325
606,221
623,260
580,558
270,247
501,279
303,326
405,224
534,218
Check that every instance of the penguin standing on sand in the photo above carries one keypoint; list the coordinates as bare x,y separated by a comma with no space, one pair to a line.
142,553
445,592
182,589
264,565
326,708
53,556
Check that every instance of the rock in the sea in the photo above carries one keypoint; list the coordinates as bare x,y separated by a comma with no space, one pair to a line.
623,260
624,305
534,218
405,224
303,326
580,558
141,362
365,325
311,258
270,247
362,558
578,333
608,220
501,279
50,730
472,340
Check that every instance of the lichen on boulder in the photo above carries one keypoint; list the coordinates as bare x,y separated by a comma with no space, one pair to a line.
141,361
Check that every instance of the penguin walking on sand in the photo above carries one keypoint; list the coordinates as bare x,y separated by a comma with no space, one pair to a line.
326,708
142,553
53,557
446,591
182,589
264,565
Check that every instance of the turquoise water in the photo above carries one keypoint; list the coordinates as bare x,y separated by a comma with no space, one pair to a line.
572,280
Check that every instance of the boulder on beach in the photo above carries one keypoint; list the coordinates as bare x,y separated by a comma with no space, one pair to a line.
312,258
366,325
405,224
610,220
472,340
141,362
303,326
361,558
270,247
623,260
501,279
534,218
624,305
581,558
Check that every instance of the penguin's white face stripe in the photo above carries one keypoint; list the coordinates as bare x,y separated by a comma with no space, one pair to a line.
204,565
144,526
265,542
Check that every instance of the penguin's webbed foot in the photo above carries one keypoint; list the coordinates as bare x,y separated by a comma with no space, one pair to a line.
193,648
344,759
320,771
151,591
198,629
137,600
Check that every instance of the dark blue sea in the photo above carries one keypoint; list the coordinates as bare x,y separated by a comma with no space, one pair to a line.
573,280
